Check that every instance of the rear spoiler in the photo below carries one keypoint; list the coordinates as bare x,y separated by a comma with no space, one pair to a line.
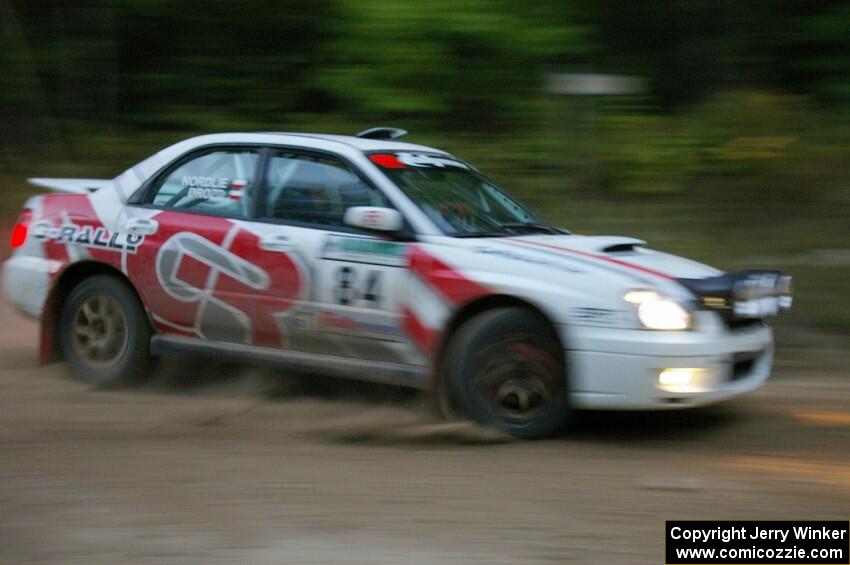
76,186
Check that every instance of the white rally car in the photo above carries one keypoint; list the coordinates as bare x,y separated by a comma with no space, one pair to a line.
378,260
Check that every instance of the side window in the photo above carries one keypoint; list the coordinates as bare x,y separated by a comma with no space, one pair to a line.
215,183
314,189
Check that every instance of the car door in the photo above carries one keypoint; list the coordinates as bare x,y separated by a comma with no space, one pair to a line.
194,266
351,281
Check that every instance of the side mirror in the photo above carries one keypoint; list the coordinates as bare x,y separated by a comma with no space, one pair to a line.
374,218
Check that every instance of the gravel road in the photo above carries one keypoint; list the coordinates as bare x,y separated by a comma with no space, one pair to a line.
213,464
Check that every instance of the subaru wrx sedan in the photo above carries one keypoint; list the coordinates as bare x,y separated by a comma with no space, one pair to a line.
374,259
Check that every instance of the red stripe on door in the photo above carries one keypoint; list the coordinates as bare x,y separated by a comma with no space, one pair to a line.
425,338
451,284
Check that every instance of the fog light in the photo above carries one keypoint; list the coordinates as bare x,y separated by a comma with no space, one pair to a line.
682,380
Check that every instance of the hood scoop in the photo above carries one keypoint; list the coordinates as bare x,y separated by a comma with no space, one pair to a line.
620,248
618,244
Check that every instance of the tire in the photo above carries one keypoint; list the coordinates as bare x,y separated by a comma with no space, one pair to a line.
504,368
104,333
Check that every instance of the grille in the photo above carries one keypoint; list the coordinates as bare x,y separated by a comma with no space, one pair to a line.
735,324
743,364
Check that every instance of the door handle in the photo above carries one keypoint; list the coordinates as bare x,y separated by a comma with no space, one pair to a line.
142,225
276,243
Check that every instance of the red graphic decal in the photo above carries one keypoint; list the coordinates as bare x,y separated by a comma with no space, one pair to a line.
612,260
141,267
425,338
259,305
177,316
285,284
166,329
451,284
57,209
193,272
387,161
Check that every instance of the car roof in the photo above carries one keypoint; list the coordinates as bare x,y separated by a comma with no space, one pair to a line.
289,138
361,143
130,180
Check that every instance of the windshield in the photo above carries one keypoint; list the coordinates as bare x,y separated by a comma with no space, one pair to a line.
456,198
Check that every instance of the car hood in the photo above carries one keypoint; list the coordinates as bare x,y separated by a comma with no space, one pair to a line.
623,256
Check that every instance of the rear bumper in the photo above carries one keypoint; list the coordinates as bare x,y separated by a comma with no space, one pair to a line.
26,283
619,369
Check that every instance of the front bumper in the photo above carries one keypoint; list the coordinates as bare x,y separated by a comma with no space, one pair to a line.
619,369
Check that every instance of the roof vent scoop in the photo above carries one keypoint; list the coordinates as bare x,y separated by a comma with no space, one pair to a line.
382,133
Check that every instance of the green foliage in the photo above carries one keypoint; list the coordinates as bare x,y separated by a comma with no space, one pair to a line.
745,154
647,154
469,65
738,150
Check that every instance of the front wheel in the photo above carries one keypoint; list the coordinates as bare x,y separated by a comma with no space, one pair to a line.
104,333
504,368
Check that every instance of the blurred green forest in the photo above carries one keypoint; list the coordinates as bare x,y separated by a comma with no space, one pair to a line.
734,151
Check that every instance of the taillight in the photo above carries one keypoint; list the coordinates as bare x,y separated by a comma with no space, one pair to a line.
22,227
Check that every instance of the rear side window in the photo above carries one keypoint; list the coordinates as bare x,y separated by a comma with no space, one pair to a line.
214,183
314,189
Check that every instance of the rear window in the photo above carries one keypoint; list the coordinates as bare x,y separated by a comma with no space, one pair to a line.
215,183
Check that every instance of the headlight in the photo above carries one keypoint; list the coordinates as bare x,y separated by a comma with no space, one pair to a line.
656,313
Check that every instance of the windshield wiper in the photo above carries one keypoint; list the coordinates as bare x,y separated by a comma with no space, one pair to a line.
533,227
508,229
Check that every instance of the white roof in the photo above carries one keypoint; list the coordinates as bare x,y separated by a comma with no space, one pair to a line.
349,145
366,144
359,143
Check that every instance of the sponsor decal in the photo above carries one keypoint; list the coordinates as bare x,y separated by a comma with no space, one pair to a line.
88,236
237,187
206,193
219,183
421,160
210,188
404,160
361,323
525,258
303,319
365,250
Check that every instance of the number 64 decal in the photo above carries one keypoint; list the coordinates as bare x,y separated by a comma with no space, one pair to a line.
350,286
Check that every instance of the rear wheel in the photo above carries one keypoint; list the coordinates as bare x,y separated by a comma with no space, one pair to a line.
104,333
504,368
